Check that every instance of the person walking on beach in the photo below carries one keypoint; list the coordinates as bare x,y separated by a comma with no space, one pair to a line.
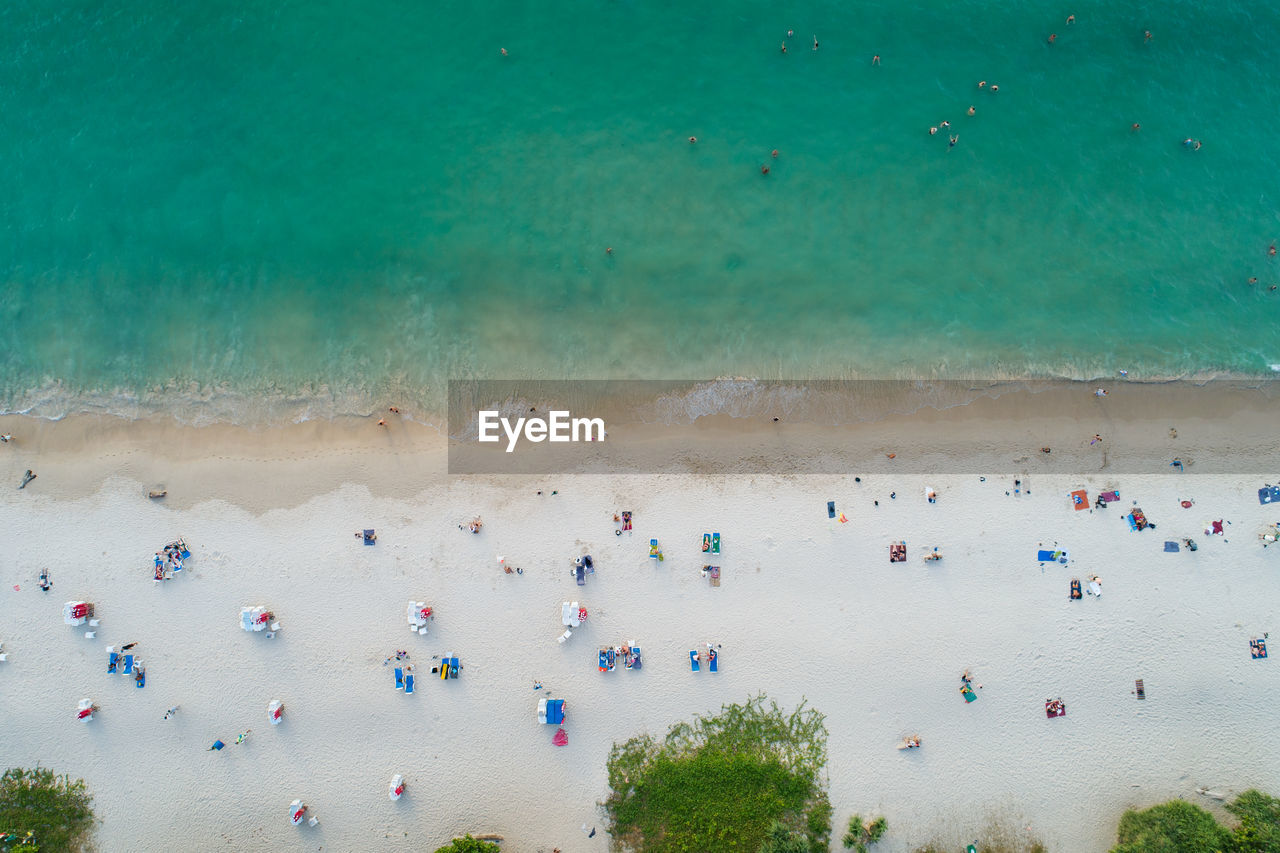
1096,439
169,713
6,438
27,478
240,738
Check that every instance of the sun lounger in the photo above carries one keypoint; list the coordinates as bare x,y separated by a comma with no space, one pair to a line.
715,543
713,660
693,659
1258,649
580,574
551,711
128,664
706,542
831,509
1075,589
139,675
1054,708
408,682
1140,688
113,661
568,632
1171,547
610,658
453,666
603,661
399,678
1269,494
1052,556
1080,499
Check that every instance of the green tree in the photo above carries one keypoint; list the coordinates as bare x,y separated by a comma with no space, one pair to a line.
862,833
1173,827
1259,829
50,809
722,783
467,844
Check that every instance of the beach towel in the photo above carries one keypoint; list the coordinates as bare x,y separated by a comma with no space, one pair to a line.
399,678
1258,648
408,682
653,549
217,744
706,542
603,662
128,664
1140,688
1110,497
370,537
113,661
1054,708
968,693
626,519
898,552
1217,528
611,658
1075,589
1269,494
714,571
1172,547
635,657
831,509
1080,499
1052,556
560,738
715,543
693,659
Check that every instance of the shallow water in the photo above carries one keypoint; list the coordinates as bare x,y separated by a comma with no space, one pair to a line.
263,214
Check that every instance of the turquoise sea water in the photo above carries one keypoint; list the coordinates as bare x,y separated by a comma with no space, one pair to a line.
328,205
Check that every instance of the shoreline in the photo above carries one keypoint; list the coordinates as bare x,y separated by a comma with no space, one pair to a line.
1220,429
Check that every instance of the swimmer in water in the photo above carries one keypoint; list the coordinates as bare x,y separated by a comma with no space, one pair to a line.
775,153
764,170
972,111
875,60
1071,19
815,42
784,47
933,131
790,33
1053,37
1272,250
1135,127
952,143
994,88
692,139
982,84
945,124
1146,36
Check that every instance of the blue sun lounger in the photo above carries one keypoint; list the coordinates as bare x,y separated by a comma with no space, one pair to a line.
714,663
113,661
693,659
554,712
408,682
140,676
603,662
128,664
399,678
448,667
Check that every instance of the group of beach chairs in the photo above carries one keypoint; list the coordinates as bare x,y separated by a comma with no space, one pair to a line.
125,664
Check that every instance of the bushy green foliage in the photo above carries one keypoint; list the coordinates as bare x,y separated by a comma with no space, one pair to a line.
1173,827
53,809
862,833
1259,816
783,839
721,783
467,844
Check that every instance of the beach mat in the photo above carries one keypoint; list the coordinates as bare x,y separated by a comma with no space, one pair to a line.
1051,556
831,509
1080,499
1140,689
1171,547
1269,494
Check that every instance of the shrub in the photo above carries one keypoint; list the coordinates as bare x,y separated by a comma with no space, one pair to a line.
1173,827
1259,829
50,809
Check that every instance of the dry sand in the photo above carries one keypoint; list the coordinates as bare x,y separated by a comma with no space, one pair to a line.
808,608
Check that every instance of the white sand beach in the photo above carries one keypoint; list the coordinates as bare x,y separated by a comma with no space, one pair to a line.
808,608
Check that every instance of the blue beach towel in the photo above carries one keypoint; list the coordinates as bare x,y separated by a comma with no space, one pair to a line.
693,659
113,661
831,509
1269,494
714,663
1052,556
128,664
399,678
1171,547
408,682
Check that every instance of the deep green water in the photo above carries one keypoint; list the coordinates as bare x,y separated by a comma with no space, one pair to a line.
308,208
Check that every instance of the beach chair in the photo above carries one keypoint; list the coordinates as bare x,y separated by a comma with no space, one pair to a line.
693,659
399,678
713,660
715,543
139,675
113,660
1140,689
1075,589
714,572
706,542
1080,499
128,664
453,666
1258,649
408,682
